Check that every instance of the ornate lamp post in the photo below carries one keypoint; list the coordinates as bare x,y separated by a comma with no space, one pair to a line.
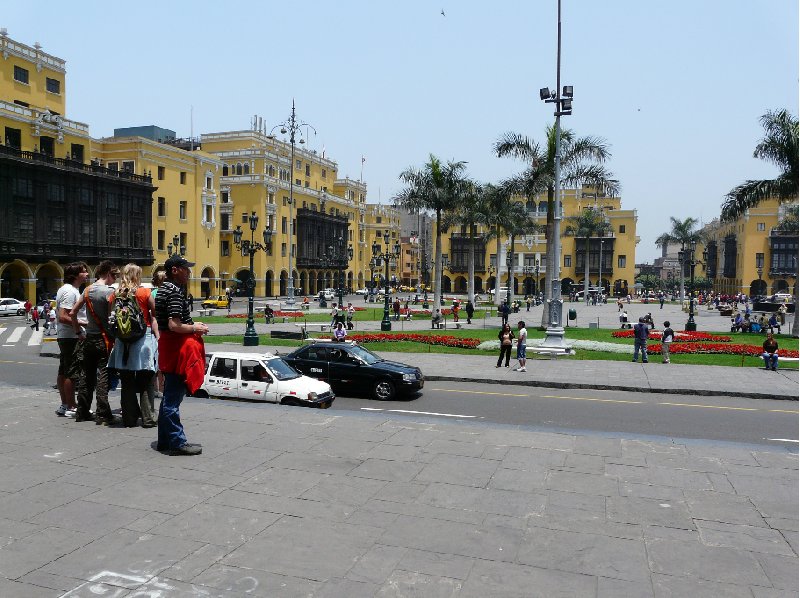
176,246
372,267
338,257
250,248
562,98
388,254
536,275
292,126
691,326
509,266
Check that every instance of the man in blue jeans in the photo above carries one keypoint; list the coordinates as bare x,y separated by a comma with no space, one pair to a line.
641,333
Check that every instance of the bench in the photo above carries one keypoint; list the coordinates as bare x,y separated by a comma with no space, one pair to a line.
206,312
287,334
305,306
440,325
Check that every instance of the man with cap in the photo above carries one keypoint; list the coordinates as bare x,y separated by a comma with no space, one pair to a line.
641,333
181,356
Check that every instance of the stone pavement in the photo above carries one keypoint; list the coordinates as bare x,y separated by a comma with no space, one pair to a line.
292,502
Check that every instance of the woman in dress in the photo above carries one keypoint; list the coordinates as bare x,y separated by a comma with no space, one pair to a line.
136,373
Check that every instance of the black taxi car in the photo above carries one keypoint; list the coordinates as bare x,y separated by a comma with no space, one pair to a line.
351,368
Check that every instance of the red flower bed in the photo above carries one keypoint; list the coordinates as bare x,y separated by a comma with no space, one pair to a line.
681,336
277,314
429,339
719,348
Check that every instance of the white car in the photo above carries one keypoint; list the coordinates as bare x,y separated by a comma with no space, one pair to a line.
262,377
11,307
362,291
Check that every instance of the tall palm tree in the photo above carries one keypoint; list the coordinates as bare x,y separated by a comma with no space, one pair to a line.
438,187
469,214
683,232
591,222
498,215
778,146
582,163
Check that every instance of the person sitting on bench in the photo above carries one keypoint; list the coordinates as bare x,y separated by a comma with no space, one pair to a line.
268,314
436,319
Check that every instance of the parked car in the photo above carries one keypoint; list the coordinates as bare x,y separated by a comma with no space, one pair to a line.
349,367
218,302
262,377
327,294
362,291
11,307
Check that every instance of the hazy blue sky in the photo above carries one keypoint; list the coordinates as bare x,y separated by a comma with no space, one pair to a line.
676,88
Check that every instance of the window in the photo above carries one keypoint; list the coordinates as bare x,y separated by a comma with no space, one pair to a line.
13,137
761,226
21,103
298,182
759,259
298,164
307,184
225,198
76,152
285,201
621,228
183,240
162,207
226,221
283,225
53,85
47,145
209,182
224,367
283,249
225,248
161,172
20,74
622,261
183,178
244,217
378,220
308,169
113,166
568,261
323,173
128,166
182,210
209,214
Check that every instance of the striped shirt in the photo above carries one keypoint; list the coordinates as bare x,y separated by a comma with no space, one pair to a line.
171,303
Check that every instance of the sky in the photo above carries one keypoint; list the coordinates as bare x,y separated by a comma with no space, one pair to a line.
675,88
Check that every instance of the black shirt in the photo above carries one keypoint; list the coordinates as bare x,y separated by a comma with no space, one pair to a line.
171,302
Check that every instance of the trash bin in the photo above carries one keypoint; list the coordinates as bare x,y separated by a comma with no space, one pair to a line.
573,314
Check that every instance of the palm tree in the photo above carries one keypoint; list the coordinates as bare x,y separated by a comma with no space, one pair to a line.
591,222
468,214
498,216
438,187
778,146
582,163
683,232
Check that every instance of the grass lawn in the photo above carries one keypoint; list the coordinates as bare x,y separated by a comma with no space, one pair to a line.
372,314
594,334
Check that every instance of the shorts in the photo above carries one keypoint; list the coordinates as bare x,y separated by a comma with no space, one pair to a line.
70,362
521,351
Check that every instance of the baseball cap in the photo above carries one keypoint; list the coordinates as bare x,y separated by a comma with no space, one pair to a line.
177,261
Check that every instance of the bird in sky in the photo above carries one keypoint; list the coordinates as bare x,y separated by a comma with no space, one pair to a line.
443,13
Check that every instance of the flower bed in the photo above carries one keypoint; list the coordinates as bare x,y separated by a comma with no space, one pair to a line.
428,339
277,314
719,348
682,336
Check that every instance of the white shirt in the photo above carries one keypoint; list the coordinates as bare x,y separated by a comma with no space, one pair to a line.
66,297
522,336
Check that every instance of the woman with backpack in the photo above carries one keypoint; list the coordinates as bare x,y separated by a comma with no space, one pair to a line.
134,359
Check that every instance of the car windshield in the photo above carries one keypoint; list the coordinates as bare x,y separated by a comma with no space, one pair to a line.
281,370
364,354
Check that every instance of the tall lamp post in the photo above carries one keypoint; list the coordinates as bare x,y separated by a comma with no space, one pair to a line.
250,247
554,339
385,256
292,126
338,257
175,248
536,275
600,275
691,325
372,268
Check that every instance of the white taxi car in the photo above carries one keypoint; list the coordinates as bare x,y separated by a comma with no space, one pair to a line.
262,377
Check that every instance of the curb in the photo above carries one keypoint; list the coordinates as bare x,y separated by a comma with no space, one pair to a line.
580,385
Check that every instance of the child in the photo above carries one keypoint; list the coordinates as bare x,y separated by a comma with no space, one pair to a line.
666,340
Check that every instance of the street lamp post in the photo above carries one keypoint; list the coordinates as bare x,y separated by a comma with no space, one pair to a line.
554,339
176,245
691,325
292,126
338,257
536,276
250,248
600,275
386,323
371,289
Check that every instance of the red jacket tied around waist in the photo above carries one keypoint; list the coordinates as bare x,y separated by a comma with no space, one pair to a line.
184,355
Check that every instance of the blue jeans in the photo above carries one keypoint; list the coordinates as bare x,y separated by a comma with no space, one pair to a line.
170,429
637,345
770,361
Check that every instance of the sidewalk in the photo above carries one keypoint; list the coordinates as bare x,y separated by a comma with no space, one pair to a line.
286,501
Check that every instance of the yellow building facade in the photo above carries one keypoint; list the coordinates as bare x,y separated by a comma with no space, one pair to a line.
751,255
611,258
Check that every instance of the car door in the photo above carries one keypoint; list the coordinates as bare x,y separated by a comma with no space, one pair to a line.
222,379
255,382
313,362
346,371
6,307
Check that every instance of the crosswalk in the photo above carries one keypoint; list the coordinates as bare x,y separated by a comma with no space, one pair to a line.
13,335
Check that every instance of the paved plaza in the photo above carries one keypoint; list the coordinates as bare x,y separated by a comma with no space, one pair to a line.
292,502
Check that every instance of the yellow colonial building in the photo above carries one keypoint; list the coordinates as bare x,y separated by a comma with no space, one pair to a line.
611,258
753,254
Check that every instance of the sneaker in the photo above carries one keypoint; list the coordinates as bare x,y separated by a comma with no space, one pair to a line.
70,413
523,369
186,450
84,418
61,411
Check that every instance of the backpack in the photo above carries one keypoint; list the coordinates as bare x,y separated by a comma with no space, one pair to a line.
126,322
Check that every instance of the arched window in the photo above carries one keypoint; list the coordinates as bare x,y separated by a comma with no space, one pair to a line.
238,168
543,207
247,169
224,170
530,205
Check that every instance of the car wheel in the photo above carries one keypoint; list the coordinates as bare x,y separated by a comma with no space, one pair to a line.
200,394
20,312
383,390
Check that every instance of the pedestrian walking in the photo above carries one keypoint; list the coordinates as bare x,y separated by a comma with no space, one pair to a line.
50,325
27,311
97,343
470,309
641,332
34,317
667,336
190,298
396,309
456,309
506,337
504,311
135,362
522,341
181,356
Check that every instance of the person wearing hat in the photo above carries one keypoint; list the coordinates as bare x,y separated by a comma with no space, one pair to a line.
181,356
